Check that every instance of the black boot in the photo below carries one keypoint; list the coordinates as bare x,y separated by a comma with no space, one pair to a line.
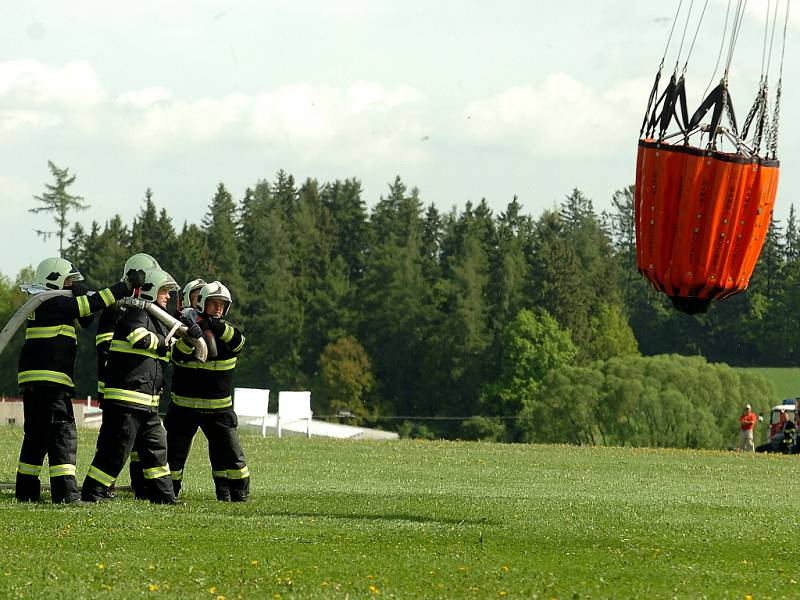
28,488
240,490
222,489
64,489
93,491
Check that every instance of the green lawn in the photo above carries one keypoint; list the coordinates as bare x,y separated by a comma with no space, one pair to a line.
786,380
424,520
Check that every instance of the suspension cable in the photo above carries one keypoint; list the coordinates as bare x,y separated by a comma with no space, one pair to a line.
772,140
771,37
683,36
694,39
737,27
719,54
671,31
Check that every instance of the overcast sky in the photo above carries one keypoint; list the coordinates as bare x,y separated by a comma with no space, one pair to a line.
463,99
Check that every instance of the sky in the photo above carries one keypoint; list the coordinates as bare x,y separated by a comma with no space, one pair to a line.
464,100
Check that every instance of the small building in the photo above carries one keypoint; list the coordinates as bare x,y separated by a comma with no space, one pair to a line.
87,412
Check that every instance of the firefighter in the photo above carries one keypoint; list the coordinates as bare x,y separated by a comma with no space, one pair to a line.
105,332
191,291
133,381
201,397
46,367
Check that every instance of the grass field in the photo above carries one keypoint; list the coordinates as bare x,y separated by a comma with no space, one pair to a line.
786,381
407,519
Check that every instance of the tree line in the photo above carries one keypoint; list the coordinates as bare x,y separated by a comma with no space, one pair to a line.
459,323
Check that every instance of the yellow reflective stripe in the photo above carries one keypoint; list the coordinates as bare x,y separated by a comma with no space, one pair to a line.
107,296
122,346
238,473
103,337
101,386
184,347
27,469
177,475
212,365
227,335
134,457
98,475
130,397
240,346
155,472
41,375
138,334
84,310
38,333
62,470
202,403
223,474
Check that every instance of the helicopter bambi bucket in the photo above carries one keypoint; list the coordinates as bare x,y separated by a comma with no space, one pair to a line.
705,190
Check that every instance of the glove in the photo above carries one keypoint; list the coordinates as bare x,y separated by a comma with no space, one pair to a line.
192,328
216,326
79,288
194,331
134,278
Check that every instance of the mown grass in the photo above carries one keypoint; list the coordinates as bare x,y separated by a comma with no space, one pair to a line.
785,380
407,519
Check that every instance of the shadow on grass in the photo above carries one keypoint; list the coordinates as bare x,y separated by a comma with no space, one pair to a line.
368,507
260,505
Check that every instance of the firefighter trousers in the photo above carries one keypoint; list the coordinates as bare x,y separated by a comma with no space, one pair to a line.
49,430
228,467
120,428
134,467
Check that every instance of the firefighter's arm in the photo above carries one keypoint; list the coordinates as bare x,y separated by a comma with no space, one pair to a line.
227,335
142,338
83,304
182,351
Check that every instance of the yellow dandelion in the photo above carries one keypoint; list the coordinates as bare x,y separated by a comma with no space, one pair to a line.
502,593
152,587
254,563
220,597
101,566
276,595
370,576
748,597
504,568
373,589
213,589
324,584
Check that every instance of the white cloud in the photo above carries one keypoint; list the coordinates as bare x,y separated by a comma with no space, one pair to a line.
144,98
562,116
20,120
364,120
26,82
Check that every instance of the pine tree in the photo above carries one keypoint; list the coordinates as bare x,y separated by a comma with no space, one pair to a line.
219,226
58,201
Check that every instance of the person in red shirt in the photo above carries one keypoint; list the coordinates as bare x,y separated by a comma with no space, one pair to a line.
746,423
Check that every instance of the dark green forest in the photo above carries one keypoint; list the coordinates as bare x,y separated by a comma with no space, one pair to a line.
459,324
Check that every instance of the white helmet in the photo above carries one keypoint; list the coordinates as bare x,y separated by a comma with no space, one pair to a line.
194,284
52,273
154,280
215,290
140,261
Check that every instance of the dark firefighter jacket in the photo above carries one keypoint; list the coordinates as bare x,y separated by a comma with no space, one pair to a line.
207,386
105,333
134,373
48,355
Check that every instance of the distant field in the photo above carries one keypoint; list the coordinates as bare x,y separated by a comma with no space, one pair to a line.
786,381
406,519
